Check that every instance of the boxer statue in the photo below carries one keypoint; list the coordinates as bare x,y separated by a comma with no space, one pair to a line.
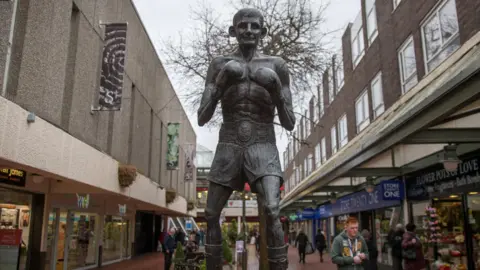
249,86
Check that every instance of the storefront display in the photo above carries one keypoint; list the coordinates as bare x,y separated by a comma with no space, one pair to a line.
115,232
14,228
385,221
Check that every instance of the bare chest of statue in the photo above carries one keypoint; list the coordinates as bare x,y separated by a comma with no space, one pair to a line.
248,97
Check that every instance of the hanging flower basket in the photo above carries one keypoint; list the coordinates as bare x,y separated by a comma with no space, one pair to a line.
171,195
126,175
190,205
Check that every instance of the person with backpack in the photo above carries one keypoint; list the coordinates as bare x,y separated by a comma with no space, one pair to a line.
395,241
413,258
320,243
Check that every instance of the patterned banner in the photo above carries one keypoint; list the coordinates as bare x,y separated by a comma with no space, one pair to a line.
173,130
113,63
189,162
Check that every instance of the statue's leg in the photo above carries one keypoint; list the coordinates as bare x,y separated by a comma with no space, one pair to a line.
268,189
216,199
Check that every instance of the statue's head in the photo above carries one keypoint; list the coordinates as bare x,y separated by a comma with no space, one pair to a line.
248,27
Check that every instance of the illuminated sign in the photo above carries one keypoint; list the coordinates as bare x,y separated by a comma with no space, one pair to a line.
12,177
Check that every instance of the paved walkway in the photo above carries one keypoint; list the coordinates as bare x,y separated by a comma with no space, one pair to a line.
154,261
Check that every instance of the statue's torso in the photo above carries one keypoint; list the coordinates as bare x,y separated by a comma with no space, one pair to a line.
246,99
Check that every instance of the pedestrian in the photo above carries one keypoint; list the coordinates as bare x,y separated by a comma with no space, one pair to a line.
170,246
395,241
320,243
413,258
349,249
301,243
202,237
371,263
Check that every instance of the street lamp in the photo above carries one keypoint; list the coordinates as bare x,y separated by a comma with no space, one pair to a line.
450,159
370,184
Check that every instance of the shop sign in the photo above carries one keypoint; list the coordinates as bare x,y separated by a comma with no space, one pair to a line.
362,201
12,177
308,213
392,190
10,237
83,201
323,211
239,246
188,225
122,209
293,217
438,180
239,204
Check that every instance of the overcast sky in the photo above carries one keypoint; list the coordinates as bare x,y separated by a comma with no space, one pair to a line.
165,19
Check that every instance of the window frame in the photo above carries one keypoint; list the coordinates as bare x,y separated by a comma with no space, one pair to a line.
331,86
307,124
323,149
401,63
318,155
342,124
316,112
432,14
339,70
333,139
377,78
371,37
396,3
361,100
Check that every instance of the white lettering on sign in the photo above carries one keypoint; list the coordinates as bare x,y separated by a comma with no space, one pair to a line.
359,201
391,190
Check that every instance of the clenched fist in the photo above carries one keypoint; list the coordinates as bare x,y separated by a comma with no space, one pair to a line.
268,79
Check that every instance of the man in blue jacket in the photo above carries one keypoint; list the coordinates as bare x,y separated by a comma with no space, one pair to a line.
170,246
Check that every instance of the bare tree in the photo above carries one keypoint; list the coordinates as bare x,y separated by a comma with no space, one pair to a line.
294,33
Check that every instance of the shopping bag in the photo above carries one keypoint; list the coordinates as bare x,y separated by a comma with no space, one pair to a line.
309,248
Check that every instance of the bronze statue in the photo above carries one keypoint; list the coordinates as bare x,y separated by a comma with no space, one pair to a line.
249,86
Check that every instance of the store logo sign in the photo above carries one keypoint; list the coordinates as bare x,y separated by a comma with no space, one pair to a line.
122,209
392,190
83,201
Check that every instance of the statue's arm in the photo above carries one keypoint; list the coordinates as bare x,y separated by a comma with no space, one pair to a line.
210,96
284,100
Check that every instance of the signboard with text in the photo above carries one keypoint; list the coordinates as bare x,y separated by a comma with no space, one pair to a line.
392,190
12,177
239,204
436,180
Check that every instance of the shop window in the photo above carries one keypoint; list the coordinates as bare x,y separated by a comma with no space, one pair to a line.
81,243
385,221
15,218
362,111
440,34
408,65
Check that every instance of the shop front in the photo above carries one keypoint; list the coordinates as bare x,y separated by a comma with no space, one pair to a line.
20,222
445,207
322,216
377,211
86,230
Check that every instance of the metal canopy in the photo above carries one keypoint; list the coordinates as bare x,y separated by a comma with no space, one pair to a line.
430,104
336,189
445,135
378,172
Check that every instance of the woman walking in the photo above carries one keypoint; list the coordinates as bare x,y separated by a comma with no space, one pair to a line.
412,250
320,243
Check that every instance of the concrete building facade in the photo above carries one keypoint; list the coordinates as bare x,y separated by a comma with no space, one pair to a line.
69,153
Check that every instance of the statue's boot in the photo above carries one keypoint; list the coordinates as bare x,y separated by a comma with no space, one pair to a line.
213,255
278,258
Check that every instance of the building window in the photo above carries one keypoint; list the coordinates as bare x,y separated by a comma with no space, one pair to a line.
305,167
318,156
362,111
396,3
316,113
440,35
331,89
290,150
307,124
301,130
408,65
377,96
333,137
309,164
321,105
358,44
372,30
323,149
339,75
285,159
343,131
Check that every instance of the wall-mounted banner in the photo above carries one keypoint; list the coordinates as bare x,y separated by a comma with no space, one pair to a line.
308,213
189,162
12,177
173,130
436,180
392,190
122,209
113,67
83,201
323,211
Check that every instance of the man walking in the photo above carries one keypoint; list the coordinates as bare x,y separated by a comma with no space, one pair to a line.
320,243
301,243
349,249
170,245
